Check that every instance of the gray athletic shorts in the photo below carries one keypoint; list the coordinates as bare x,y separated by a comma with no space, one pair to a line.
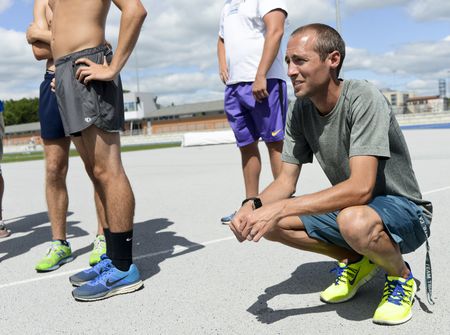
98,103
401,218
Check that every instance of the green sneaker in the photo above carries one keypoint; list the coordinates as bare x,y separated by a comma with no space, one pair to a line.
98,250
398,296
349,279
57,255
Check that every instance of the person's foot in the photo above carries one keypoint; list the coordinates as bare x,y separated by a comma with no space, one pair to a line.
398,296
110,283
57,255
98,250
227,219
87,275
4,232
349,278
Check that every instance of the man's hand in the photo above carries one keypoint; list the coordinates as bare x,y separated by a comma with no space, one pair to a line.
259,88
260,221
93,71
32,33
239,221
53,85
223,73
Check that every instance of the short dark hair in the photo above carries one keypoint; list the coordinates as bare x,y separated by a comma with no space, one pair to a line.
328,40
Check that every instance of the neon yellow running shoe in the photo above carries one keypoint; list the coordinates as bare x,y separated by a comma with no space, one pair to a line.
398,296
98,250
349,278
57,255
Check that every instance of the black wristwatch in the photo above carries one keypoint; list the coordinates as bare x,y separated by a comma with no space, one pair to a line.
256,202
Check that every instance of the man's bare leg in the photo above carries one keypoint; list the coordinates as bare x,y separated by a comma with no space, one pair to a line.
251,167
101,153
291,232
56,166
4,232
364,231
275,149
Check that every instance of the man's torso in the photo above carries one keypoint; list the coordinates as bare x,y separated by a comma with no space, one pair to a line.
361,124
242,28
77,25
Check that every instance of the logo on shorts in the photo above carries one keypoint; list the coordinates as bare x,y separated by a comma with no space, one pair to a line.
87,119
275,133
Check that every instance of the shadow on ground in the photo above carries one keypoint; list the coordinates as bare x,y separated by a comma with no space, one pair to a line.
35,234
153,245
313,278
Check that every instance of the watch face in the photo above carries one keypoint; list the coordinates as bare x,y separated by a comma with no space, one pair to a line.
257,203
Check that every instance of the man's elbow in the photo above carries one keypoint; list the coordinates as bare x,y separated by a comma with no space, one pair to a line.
140,12
364,195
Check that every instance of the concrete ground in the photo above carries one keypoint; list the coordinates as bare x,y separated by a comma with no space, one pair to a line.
198,279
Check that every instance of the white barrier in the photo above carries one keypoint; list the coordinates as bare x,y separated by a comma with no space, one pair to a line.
208,138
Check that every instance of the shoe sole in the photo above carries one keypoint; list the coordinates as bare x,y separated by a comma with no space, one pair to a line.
392,323
57,266
355,290
4,233
78,284
119,290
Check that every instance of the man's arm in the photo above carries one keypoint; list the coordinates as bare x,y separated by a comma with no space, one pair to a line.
38,33
281,188
274,22
223,68
132,18
355,191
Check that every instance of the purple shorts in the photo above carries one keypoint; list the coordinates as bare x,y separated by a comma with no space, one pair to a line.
251,120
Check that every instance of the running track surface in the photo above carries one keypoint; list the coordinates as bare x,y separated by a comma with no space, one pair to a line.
198,279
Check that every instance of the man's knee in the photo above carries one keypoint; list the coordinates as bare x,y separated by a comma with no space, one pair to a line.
56,170
360,226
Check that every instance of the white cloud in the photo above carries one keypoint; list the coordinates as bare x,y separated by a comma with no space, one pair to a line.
22,75
4,5
368,4
176,51
430,10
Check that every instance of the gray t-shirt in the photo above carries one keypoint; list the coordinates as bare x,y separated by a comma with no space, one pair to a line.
361,124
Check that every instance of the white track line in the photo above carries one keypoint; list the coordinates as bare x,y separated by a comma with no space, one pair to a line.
174,251
437,190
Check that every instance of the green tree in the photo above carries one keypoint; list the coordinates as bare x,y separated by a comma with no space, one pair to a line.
21,111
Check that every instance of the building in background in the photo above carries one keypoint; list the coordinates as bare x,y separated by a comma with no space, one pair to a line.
427,104
397,99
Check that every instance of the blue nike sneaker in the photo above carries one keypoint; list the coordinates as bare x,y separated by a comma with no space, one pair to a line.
109,283
87,275
227,219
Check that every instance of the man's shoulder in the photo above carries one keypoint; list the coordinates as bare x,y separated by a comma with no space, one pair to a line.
356,87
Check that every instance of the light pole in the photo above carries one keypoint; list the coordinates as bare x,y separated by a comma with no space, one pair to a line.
137,69
338,17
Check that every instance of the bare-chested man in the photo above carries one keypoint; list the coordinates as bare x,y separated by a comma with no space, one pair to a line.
90,101
56,149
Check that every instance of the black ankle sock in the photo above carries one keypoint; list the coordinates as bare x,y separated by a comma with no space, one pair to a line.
121,249
64,242
107,234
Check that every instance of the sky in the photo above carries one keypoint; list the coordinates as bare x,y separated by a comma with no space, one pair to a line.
397,44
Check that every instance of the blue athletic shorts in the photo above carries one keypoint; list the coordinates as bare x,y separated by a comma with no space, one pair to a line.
401,218
49,118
